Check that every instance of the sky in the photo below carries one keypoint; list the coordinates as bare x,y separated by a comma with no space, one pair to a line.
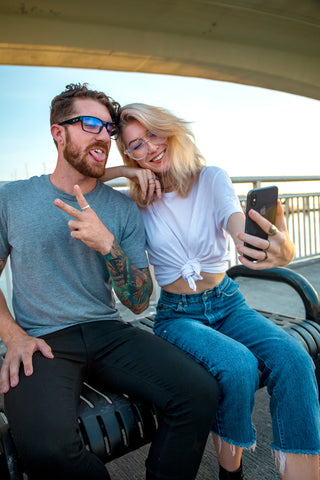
246,130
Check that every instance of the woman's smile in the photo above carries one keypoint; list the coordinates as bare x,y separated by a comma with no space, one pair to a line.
158,158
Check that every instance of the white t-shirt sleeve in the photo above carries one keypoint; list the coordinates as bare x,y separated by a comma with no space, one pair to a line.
225,200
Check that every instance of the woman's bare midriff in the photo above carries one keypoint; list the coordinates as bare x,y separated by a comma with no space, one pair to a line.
210,280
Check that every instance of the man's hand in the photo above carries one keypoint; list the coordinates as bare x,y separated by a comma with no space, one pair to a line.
87,227
20,350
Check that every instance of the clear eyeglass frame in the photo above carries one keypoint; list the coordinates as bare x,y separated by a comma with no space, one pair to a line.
138,148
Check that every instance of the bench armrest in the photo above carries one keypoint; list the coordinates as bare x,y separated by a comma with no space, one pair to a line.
299,283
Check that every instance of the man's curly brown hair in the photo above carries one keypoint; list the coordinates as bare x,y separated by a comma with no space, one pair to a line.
62,104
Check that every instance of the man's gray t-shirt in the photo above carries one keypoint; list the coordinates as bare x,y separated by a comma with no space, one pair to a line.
57,280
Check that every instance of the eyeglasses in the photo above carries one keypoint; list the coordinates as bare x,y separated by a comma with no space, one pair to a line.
94,125
138,148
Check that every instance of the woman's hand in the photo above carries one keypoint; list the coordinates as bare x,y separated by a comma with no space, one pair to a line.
277,250
147,180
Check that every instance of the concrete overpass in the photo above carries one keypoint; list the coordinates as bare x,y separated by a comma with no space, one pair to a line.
273,44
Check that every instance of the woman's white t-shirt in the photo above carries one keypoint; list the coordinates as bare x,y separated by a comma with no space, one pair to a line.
186,236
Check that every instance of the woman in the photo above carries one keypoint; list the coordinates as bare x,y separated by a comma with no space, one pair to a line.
187,210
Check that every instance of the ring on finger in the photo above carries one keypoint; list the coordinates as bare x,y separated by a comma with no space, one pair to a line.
272,230
85,207
265,255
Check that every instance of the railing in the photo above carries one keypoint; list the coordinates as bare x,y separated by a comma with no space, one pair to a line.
256,182
303,221
302,212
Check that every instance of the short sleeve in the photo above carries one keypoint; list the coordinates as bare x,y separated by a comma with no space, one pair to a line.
133,240
226,200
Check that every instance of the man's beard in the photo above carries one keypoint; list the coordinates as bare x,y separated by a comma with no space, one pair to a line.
78,159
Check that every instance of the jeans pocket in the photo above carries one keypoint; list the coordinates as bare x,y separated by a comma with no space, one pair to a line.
231,289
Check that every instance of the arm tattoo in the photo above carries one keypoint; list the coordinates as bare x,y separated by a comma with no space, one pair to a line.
132,286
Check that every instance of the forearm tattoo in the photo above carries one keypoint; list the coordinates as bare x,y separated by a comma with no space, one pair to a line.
132,286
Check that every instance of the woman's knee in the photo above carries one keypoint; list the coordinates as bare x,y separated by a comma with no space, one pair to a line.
240,375
292,359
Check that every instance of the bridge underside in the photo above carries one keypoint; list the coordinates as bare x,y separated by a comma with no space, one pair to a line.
273,44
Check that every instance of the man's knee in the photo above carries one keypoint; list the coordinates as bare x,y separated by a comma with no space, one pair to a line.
202,397
205,393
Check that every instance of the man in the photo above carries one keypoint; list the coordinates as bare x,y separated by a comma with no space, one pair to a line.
67,329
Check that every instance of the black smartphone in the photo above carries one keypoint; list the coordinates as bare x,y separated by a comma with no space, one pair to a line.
264,201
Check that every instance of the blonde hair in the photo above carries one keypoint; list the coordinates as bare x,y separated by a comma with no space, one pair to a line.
185,159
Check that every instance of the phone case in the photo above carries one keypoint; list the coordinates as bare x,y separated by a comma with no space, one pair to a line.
264,201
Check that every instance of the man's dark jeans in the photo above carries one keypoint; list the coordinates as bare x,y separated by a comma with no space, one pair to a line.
111,356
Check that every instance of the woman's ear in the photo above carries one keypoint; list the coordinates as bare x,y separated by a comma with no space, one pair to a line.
58,134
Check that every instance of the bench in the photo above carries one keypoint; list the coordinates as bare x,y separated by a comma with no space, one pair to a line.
112,425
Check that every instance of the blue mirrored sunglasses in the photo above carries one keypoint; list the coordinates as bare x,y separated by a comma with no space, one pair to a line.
93,125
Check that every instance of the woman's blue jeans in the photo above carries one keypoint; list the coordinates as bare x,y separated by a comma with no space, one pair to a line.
220,331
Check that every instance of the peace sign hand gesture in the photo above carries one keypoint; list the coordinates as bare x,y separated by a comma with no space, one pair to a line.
87,226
